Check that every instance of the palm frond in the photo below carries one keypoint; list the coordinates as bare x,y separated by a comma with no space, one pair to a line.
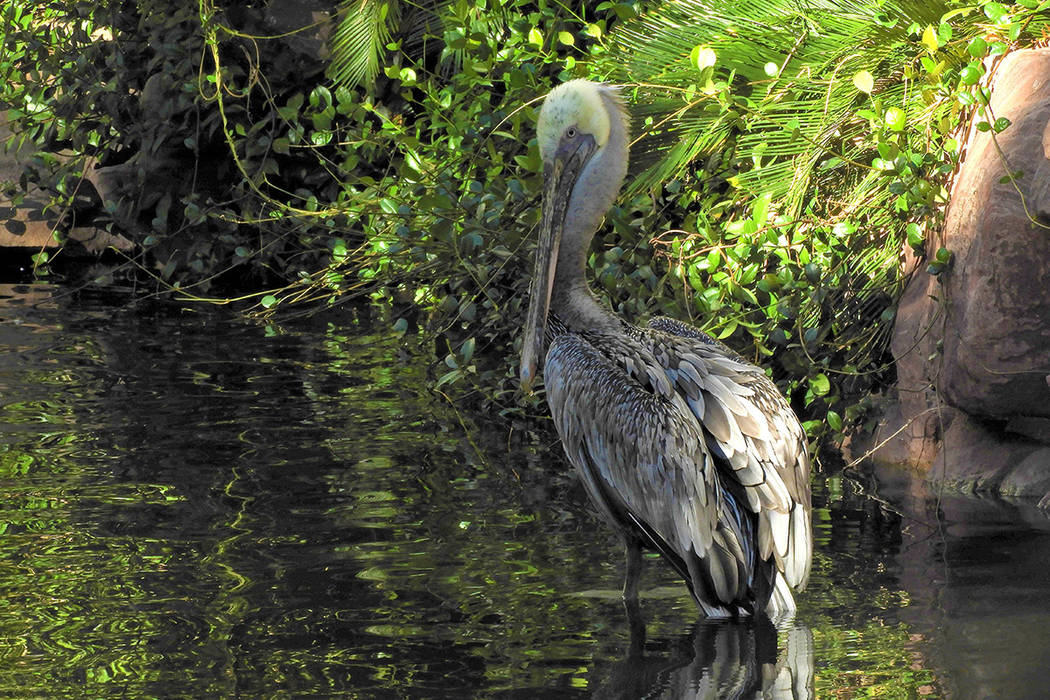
793,128
359,40
801,111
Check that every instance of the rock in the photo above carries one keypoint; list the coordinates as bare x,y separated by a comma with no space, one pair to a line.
976,457
991,311
28,224
305,25
921,416
95,240
24,223
1030,477
972,345
910,441
1037,429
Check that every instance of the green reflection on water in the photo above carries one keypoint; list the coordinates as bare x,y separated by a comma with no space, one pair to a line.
192,506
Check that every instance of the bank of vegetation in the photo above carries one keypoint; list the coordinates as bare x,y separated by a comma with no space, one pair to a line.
786,154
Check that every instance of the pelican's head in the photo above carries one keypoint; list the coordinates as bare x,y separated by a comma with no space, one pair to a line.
575,124
572,109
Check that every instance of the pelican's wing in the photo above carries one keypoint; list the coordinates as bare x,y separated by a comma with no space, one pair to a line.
752,432
642,458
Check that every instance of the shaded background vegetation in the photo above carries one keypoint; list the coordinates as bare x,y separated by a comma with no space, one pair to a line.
786,153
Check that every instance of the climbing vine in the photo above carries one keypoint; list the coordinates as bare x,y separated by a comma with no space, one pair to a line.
826,140
784,153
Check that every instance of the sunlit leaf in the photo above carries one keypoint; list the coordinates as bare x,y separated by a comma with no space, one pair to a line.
702,57
915,236
864,81
820,384
895,118
929,39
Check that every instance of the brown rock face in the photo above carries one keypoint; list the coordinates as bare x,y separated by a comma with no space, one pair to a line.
991,312
997,339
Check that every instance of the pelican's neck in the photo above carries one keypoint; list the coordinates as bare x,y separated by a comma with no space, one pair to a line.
595,191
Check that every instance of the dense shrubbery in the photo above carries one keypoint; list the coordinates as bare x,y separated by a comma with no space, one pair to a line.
786,154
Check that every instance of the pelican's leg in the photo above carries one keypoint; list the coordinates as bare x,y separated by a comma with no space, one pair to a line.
630,594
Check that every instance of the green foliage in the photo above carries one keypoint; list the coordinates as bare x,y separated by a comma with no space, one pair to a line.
786,152
359,41
798,156
416,190
180,136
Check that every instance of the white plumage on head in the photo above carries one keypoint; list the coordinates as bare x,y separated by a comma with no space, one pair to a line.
580,103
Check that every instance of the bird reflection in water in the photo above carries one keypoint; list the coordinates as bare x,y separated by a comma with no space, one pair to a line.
728,658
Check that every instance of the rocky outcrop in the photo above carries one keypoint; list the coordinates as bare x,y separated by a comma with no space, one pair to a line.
997,298
26,221
972,345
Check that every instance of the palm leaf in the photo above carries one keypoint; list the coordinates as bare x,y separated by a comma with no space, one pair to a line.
360,39
791,128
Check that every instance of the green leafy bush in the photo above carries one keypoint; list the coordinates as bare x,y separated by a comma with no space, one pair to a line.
785,154
169,123
803,145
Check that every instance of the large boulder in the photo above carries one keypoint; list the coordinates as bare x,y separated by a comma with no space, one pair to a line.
991,311
972,345
997,344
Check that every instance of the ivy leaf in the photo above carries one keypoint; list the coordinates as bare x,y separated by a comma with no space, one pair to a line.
820,384
994,11
450,376
728,330
915,236
864,81
702,57
896,118
929,39
466,351
977,47
971,73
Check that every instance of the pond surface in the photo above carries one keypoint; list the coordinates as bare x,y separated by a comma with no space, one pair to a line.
192,505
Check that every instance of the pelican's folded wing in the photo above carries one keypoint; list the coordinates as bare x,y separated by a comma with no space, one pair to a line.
644,462
753,434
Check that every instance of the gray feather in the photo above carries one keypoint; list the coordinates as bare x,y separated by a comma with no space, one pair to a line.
680,442
717,421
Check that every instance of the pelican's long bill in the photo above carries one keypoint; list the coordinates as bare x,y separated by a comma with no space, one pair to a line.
551,226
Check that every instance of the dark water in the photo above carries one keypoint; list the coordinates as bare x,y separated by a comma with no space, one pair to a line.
195,506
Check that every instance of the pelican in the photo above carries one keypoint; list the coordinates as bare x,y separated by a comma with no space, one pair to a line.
682,445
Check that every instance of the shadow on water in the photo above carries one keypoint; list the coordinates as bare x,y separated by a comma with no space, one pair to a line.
195,506
977,574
